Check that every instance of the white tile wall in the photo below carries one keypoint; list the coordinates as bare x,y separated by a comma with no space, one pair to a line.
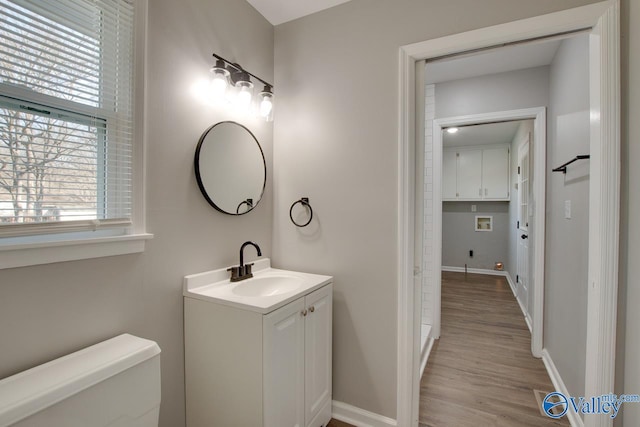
427,259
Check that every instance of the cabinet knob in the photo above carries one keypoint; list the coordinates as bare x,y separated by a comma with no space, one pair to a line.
304,312
312,309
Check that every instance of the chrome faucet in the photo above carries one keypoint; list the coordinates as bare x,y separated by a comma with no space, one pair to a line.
243,271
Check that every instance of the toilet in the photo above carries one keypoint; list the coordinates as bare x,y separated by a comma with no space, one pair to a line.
114,383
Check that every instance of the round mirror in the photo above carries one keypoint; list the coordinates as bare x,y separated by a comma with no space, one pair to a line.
230,168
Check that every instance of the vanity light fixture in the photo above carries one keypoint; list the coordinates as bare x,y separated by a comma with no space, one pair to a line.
229,81
452,130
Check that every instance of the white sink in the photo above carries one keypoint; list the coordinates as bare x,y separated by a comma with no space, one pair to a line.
267,290
266,286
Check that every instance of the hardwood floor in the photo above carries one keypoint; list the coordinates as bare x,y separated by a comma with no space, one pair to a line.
481,371
336,423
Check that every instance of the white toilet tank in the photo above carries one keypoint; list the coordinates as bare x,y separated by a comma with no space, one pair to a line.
114,383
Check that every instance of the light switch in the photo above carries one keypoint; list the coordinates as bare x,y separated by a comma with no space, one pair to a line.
473,208
567,209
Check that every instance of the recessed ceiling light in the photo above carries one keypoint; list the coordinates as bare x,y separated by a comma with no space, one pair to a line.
452,130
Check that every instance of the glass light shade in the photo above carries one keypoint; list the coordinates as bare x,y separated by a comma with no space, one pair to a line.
452,130
243,97
266,104
219,81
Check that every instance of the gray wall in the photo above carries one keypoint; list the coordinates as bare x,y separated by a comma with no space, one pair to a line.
50,310
495,92
566,252
336,142
459,235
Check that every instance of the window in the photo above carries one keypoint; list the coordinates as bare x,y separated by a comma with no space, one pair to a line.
66,115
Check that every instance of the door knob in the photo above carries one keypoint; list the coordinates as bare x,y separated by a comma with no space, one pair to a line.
524,236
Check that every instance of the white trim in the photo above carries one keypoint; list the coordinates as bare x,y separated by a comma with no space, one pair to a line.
540,26
23,255
140,122
604,207
539,202
407,354
359,417
556,379
424,354
525,313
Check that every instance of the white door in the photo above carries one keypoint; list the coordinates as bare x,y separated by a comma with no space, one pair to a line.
318,358
495,173
524,187
469,174
283,348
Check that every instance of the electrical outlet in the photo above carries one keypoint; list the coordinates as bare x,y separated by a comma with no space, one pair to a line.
474,208
567,209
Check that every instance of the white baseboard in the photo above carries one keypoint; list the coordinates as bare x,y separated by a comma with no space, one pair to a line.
359,417
474,271
424,354
512,285
556,379
527,317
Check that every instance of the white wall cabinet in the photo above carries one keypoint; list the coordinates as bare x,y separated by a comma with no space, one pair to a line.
475,174
248,369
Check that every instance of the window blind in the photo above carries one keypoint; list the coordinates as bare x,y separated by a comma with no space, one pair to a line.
66,115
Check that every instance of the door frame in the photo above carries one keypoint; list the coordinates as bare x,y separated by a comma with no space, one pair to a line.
603,18
539,116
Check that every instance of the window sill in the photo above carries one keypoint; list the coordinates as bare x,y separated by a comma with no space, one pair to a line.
27,254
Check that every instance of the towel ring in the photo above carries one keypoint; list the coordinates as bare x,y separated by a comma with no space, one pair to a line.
305,202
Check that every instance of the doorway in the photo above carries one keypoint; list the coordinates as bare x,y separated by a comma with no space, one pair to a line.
537,215
601,19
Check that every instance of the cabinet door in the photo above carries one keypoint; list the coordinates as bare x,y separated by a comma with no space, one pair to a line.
283,348
449,175
470,174
495,173
318,360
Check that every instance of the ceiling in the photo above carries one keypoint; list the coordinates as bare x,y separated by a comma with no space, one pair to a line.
280,11
510,58
487,134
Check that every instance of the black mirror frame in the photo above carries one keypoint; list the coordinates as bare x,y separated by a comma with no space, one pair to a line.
199,179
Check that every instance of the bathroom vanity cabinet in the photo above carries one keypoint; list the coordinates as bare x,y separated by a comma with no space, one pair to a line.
246,368
476,174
